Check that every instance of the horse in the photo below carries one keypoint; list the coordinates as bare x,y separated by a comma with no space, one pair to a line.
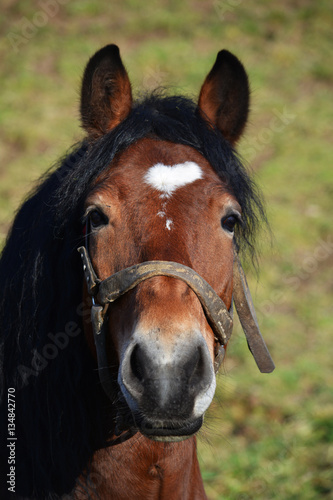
118,280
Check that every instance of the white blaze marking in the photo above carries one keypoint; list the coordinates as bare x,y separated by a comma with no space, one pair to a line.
168,224
167,179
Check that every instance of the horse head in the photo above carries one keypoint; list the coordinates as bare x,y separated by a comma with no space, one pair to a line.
161,204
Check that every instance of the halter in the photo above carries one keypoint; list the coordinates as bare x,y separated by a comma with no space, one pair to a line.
104,292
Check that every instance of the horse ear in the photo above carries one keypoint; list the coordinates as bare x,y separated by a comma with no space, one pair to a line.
224,96
106,95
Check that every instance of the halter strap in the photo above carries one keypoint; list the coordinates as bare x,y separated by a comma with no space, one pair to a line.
248,318
113,287
118,284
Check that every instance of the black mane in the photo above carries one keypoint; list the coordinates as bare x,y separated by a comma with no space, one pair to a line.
57,428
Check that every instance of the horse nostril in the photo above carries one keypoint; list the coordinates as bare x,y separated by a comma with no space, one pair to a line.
200,364
136,364
191,366
198,369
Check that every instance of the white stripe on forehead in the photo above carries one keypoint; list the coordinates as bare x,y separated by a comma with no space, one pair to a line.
167,179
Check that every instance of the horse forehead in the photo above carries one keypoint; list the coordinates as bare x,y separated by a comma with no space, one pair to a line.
168,178
163,165
161,168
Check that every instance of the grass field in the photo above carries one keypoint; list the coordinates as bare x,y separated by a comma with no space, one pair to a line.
266,436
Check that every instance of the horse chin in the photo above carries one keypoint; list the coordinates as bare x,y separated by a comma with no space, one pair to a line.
169,439
172,433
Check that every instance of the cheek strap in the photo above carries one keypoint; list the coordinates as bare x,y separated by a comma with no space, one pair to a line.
247,316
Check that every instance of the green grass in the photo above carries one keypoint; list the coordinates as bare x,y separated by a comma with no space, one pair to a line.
266,436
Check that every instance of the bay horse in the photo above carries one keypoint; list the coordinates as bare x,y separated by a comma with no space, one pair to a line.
117,285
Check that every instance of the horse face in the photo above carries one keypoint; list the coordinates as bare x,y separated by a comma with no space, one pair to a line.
163,201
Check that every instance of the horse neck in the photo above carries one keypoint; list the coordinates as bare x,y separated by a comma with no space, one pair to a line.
142,469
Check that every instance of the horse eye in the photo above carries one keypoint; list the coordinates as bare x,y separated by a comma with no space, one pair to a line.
97,219
229,223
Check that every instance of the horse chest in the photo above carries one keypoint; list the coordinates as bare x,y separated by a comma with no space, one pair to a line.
143,470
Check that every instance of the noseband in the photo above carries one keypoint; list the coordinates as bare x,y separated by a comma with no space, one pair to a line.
103,292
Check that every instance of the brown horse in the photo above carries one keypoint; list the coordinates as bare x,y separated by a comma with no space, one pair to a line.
165,206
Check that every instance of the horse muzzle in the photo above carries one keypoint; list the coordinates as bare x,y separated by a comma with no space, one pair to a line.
167,389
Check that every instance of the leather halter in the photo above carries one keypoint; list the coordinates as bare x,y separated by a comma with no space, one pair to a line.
103,292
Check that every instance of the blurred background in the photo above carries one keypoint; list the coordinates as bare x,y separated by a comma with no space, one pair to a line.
266,436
